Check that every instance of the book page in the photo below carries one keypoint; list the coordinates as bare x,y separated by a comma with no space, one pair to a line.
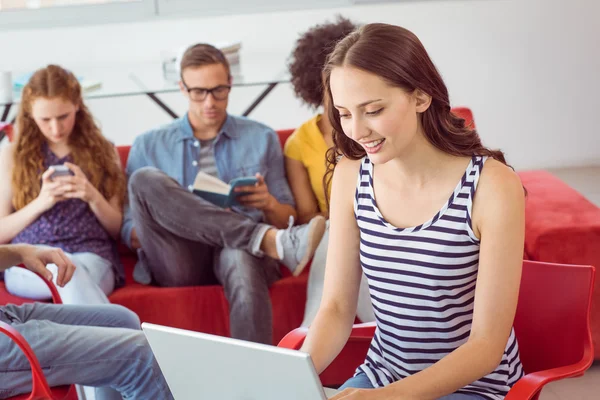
209,183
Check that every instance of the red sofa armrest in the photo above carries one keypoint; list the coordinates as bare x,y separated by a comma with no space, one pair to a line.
40,388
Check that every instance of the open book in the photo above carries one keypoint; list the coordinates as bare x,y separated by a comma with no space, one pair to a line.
218,192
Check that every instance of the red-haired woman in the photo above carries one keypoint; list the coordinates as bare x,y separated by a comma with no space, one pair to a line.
80,211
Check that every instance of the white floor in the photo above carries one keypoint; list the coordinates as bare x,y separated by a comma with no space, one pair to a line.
585,388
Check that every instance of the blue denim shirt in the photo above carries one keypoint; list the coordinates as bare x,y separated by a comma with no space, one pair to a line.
242,148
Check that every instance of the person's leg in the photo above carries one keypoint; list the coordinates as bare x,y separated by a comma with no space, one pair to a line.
99,269
246,280
164,213
178,230
100,272
89,345
92,281
360,381
82,289
157,197
24,283
316,280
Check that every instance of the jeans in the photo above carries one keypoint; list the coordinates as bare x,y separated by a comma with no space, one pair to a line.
361,381
188,241
93,280
99,346
316,279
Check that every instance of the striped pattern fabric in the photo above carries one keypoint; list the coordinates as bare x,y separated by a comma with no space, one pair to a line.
207,162
422,284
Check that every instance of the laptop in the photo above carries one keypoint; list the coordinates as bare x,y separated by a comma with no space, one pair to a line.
202,366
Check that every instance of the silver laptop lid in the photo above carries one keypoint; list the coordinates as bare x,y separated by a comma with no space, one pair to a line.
201,366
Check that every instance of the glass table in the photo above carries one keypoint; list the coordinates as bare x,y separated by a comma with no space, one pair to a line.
154,78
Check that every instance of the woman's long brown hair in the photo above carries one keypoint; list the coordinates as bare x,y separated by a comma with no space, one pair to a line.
398,57
90,150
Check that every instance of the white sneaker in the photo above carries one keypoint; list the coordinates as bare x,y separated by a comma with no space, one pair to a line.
300,242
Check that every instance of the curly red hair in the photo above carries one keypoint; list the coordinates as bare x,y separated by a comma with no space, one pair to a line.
90,150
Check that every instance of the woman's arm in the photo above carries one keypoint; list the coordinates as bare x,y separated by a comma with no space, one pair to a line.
307,206
108,213
110,217
332,325
499,221
11,222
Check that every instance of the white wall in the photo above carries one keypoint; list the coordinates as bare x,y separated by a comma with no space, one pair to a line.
528,68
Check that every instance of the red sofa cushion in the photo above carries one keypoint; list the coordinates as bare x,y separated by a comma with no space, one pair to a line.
204,308
563,227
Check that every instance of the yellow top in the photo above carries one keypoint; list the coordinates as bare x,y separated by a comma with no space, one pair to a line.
308,146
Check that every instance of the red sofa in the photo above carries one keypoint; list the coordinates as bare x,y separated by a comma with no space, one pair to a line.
561,227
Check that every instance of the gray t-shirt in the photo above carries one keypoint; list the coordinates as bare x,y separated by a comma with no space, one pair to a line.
207,162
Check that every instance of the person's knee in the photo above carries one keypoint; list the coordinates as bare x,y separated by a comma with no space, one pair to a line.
133,345
124,317
24,283
145,179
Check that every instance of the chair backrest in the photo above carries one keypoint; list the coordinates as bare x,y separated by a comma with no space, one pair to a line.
39,389
552,321
284,134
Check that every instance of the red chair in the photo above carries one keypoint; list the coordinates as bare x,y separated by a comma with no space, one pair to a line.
552,325
40,389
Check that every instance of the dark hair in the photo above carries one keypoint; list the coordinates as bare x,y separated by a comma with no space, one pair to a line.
202,54
397,56
310,54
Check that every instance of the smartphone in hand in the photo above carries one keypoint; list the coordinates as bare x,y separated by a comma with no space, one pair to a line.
60,170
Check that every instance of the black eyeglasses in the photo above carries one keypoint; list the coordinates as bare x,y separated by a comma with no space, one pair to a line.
199,94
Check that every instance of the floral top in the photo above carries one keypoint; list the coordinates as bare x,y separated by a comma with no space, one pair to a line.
71,226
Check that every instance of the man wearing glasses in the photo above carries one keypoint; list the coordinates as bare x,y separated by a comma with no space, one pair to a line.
184,240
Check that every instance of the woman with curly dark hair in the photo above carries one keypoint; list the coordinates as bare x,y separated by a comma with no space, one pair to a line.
61,185
305,151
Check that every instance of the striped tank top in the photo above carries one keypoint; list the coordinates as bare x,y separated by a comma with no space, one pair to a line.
422,285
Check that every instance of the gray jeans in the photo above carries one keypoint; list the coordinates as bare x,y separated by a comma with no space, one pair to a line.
99,346
189,241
